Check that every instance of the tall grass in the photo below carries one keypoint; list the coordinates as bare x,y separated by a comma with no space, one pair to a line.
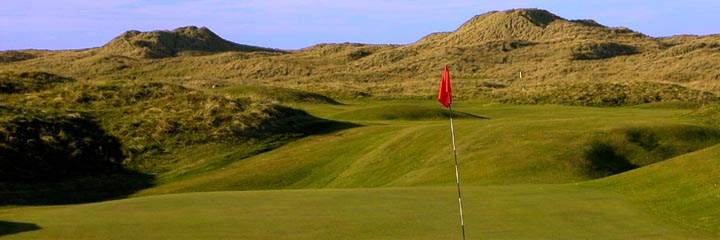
490,48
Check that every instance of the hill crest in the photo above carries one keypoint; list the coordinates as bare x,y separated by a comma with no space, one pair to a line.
535,25
162,43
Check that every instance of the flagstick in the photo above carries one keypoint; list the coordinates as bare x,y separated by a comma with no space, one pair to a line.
457,174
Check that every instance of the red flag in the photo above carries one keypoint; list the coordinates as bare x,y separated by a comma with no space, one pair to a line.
445,93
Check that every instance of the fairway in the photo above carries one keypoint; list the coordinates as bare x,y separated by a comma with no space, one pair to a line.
510,212
391,177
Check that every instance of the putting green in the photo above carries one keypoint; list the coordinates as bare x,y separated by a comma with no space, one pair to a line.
501,212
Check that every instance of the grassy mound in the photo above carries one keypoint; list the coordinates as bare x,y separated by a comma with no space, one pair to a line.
624,149
604,94
517,144
709,114
152,118
159,44
685,188
25,82
40,146
402,112
601,50
278,94
148,127
61,157
14,56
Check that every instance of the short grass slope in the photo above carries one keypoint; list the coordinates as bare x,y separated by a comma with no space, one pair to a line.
685,188
402,112
54,129
510,212
510,145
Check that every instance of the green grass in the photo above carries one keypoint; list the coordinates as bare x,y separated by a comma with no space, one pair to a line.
686,189
209,119
402,112
556,142
392,178
510,212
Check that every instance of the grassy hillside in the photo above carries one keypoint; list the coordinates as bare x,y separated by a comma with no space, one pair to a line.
485,56
186,111
56,130
558,145
684,189
182,41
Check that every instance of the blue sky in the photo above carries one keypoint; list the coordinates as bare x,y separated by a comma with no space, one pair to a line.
285,24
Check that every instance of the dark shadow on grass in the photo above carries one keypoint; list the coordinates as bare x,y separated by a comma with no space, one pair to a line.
605,160
61,157
405,112
77,190
7,228
272,136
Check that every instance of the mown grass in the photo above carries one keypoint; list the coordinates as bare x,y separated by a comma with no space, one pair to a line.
393,178
557,145
158,101
684,189
511,212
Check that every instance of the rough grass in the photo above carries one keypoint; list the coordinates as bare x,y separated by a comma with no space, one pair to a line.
47,146
603,94
490,49
83,129
153,118
709,114
275,94
14,56
181,41
26,82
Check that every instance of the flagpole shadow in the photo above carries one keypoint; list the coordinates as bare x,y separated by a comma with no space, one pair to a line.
7,228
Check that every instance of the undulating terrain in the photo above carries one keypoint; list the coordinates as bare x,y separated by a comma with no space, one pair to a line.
599,132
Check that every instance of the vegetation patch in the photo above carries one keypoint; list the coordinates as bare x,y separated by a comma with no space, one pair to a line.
604,94
14,56
185,41
25,82
40,146
601,50
61,157
278,94
620,150
152,118
707,113
69,132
